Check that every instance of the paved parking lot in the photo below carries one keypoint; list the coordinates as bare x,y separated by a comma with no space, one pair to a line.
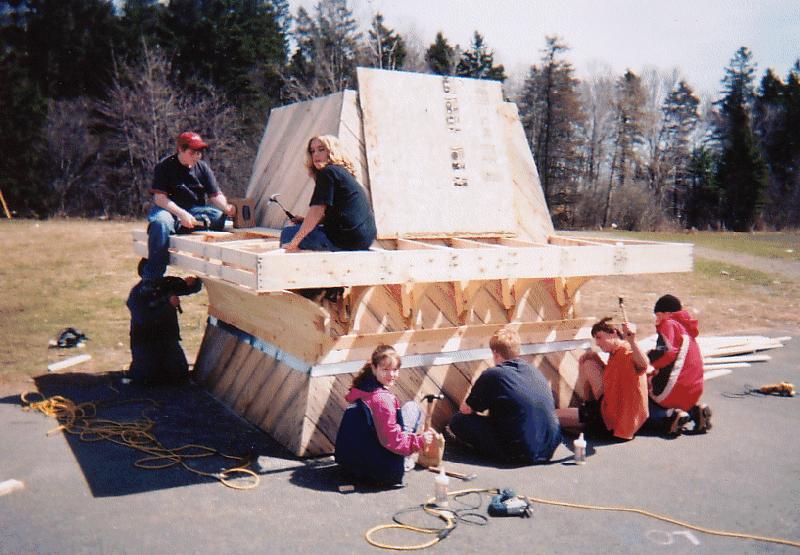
88,497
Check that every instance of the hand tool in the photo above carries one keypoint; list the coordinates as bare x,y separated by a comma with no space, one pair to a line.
459,475
432,454
274,198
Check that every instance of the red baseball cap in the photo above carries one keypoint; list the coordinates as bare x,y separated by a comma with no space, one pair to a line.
191,140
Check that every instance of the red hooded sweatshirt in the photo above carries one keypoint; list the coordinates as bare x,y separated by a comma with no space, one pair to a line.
678,380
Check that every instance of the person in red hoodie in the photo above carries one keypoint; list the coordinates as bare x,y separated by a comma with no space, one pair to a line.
377,436
677,380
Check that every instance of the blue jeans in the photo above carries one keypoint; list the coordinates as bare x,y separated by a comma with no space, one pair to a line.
317,240
161,225
413,417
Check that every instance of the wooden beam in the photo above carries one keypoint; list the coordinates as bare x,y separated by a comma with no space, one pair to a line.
451,339
286,320
332,269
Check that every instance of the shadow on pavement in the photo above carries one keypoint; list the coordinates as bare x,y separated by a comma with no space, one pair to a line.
181,415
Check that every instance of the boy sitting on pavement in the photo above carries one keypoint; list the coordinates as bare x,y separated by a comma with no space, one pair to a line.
521,426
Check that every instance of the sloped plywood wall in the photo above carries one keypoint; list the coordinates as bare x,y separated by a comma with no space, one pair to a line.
280,168
436,154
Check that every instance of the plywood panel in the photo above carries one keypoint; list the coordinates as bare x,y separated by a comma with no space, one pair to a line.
288,321
436,154
533,220
210,347
280,164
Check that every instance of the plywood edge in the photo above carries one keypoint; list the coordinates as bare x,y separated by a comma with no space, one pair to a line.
451,339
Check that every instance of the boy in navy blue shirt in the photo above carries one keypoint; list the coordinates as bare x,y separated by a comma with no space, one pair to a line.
521,426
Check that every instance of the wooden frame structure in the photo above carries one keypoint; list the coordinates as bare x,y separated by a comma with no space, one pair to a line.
285,362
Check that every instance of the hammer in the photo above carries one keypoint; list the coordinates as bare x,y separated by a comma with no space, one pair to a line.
465,477
622,309
431,397
274,198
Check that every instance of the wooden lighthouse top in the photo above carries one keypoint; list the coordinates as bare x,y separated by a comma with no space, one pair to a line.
452,182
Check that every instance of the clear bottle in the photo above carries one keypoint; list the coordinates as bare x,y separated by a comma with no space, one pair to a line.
442,481
579,446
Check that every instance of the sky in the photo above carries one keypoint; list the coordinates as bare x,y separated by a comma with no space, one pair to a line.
696,37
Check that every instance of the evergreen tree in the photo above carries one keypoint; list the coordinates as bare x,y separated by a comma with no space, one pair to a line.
141,24
551,115
742,172
239,47
69,45
629,109
328,47
775,121
441,57
22,114
703,197
680,119
387,48
478,62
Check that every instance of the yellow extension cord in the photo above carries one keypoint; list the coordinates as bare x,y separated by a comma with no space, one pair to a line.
81,420
450,522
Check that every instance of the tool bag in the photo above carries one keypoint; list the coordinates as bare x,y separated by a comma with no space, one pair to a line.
432,454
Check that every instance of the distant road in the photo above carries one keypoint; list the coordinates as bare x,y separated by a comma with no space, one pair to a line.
786,268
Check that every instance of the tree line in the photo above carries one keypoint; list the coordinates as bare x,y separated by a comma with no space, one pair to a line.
93,92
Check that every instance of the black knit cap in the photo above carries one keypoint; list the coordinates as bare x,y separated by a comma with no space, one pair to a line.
667,303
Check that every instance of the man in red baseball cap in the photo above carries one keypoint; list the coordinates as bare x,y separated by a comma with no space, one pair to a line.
182,183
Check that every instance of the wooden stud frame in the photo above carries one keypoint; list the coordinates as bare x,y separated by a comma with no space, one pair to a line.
261,266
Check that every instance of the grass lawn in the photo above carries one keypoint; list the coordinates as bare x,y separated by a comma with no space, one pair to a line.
61,273
785,245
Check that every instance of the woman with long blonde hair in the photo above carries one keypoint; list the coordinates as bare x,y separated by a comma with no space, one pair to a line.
339,216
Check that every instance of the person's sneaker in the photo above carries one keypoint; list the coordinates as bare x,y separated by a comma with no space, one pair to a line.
701,415
677,422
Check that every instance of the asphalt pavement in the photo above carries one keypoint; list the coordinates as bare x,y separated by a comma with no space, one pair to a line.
88,496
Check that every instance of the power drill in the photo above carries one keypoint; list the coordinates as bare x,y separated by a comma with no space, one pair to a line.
508,503
783,389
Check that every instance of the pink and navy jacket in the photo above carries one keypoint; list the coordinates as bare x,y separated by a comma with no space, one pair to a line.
678,380
384,407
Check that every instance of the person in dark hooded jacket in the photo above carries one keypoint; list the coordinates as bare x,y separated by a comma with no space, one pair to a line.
156,353
677,380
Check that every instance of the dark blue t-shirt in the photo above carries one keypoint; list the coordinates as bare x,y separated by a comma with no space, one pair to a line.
521,409
349,222
186,187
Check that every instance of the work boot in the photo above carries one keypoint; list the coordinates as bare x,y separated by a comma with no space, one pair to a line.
701,416
677,422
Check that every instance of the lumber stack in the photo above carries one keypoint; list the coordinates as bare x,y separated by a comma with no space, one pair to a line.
723,354
465,246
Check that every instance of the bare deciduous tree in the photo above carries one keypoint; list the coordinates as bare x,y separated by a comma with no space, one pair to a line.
72,150
138,122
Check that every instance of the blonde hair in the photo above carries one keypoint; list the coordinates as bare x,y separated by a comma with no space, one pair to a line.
336,151
506,343
381,353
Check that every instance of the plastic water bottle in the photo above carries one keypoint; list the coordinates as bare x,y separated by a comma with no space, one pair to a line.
579,446
442,481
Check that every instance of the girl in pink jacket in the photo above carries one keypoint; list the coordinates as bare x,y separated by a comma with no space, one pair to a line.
376,434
